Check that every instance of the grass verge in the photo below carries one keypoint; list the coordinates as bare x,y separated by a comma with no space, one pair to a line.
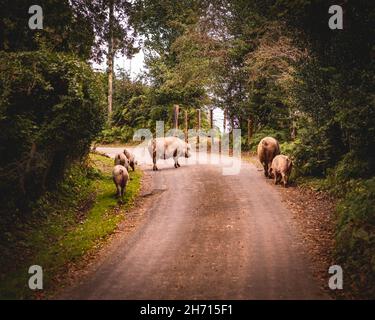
63,227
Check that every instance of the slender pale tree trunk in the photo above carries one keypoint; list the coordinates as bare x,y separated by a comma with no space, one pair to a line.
175,116
186,126
110,58
198,125
211,118
225,120
249,130
211,135
293,132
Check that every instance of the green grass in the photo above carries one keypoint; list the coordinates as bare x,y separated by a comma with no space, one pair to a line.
75,224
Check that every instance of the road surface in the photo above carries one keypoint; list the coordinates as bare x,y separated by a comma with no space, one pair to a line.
206,236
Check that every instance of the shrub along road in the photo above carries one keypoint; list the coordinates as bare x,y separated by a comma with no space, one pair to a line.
205,236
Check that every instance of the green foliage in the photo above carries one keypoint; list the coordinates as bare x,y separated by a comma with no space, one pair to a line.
351,167
281,136
162,22
132,107
288,147
138,106
64,30
52,214
355,229
116,134
315,153
355,249
63,226
106,26
51,109
332,120
184,80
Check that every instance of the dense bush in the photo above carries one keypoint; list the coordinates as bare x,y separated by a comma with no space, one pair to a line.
355,249
51,108
337,118
73,194
116,134
280,135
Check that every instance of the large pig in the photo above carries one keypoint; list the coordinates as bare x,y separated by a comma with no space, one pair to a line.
120,178
131,158
121,159
280,169
166,148
268,148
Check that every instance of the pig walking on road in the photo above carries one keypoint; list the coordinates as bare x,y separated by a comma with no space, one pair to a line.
131,158
280,169
120,178
268,148
122,160
166,148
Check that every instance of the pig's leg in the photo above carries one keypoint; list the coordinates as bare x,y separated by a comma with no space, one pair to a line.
285,179
175,158
265,166
176,165
154,168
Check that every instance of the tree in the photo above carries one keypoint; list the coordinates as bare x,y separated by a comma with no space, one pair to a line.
65,29
51,108
110,56
111,23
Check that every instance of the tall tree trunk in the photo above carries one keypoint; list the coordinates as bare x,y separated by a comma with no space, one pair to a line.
211,118
175,116
211,136
293,131
186,126
225,120
110,58
250,126
232,124
199,125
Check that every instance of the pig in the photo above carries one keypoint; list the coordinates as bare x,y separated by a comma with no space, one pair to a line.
168,147
268,148
280,169
131,158
121,159
120,178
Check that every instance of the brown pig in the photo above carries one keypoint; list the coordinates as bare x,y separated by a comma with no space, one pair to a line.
280,169
121,159
120,178
268,148
131,158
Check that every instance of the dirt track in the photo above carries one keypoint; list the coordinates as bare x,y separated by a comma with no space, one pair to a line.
206,236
